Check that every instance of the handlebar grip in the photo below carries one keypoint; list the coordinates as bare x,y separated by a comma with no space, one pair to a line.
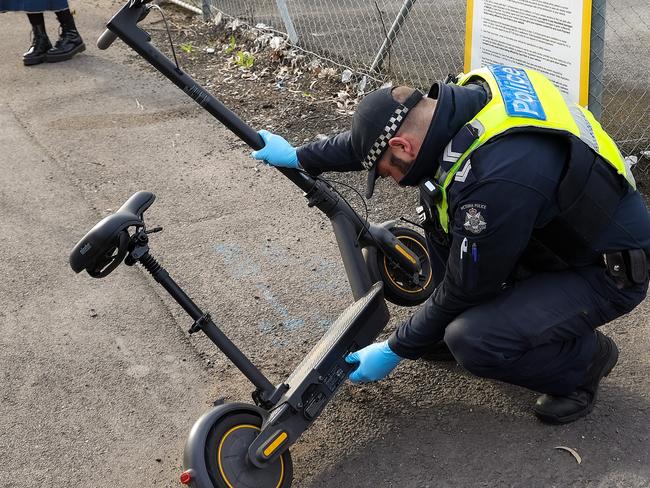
106,39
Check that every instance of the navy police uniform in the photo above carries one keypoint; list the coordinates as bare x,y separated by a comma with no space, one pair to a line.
517,300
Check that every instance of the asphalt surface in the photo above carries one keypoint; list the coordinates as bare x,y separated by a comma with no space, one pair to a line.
100,382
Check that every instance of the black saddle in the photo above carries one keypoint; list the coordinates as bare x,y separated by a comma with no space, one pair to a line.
104,247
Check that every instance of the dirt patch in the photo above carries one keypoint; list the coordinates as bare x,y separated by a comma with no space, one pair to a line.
256,74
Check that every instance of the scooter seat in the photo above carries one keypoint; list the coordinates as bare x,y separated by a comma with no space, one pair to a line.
138,203
105,245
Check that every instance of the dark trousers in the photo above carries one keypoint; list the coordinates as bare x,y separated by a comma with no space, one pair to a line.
540,334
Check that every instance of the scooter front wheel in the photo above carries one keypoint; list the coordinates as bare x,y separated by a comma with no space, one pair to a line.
226,455
400,287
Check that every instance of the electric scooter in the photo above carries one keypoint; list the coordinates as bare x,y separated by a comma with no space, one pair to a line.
238,445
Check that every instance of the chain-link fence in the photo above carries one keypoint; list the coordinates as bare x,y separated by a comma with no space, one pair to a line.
626,62
417,42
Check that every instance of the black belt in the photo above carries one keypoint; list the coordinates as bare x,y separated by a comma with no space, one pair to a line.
628,268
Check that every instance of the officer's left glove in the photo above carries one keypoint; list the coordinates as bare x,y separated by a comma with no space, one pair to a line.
276,151
375,362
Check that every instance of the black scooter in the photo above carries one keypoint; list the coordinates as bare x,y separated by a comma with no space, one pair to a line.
238,445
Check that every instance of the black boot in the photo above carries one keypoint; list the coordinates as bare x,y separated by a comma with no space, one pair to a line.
69,43
40,45
564,409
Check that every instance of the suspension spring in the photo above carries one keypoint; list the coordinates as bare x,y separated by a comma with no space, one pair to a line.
150,264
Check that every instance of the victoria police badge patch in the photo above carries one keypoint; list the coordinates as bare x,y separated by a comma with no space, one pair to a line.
474,217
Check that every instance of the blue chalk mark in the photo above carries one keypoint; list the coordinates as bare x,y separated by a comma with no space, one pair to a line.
239,265
289,322
323,322
243,266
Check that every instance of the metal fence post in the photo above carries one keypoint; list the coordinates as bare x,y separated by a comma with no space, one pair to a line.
207,11
187,5
597,58
392,35
288,23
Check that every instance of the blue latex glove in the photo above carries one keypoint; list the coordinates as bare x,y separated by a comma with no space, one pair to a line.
375,362
276,151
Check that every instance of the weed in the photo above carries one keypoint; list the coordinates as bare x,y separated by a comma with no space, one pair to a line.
187,47
244,59
231,44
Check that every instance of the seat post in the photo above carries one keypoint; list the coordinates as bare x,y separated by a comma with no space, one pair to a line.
202,321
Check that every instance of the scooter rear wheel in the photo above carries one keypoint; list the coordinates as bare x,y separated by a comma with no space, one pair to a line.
226,455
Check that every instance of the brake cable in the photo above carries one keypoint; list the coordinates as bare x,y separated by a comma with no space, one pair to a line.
364,220
169,34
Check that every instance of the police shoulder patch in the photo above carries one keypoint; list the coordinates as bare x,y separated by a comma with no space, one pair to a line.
519,95
475,217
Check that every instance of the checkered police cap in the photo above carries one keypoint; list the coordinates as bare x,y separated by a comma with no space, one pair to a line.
376,121
381,143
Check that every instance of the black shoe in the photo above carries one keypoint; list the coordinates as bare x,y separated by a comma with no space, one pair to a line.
69,44
439,352
564,409
38,50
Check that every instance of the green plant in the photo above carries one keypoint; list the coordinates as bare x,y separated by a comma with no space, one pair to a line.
231,44
187,47
244,59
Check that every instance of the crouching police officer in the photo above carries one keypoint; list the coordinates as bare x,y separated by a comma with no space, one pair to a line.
541,234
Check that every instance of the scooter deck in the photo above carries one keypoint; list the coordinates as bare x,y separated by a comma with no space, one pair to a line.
316,379
356,327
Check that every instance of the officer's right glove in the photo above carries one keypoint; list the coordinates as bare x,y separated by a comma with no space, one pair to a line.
375,362
276,151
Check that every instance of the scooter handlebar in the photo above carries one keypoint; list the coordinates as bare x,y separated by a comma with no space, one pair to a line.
106,39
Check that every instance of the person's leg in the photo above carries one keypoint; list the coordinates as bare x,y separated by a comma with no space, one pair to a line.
540,334
40,43
562,409
36,19
70,42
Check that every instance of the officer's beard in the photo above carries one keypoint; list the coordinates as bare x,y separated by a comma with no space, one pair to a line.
401,164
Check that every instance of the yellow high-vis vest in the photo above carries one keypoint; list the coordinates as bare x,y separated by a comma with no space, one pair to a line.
522,99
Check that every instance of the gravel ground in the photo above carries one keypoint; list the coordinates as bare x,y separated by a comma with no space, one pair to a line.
100,381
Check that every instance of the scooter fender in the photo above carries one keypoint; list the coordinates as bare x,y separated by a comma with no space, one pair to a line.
194,453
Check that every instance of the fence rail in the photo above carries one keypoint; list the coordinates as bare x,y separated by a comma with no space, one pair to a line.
417,42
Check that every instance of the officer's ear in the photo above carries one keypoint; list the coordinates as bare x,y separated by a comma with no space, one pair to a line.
403,147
